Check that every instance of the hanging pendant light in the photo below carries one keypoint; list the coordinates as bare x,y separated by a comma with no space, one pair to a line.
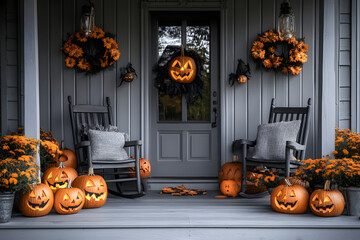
87,18
286,21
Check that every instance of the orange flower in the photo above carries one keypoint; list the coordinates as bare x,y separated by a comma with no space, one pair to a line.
97,33
108,42
284,70
81,37
272,49
294,70
267,63
115,54
70,62
346,152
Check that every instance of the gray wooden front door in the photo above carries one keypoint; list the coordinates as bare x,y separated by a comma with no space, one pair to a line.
184,137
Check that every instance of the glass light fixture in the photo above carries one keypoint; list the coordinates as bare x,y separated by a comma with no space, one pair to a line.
87,18
286,20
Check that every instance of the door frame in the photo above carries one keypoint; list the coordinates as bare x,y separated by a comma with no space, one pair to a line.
226,132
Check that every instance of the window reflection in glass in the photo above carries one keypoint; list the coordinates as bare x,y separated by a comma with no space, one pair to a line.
169,106
198,39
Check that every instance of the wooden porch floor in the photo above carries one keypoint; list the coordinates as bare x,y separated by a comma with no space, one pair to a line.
160,217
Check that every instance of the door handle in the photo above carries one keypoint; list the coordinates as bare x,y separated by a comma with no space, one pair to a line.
214,123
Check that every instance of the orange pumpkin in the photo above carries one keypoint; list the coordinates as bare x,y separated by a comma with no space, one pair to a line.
327,203
37,201
230,188
67,156
289,198
145,168
182,69
69,200
231,171
242,79
58,177
94,187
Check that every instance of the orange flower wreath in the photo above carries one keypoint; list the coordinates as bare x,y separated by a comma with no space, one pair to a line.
90,53
290,60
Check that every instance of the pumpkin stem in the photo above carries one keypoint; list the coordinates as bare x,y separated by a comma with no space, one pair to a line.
287,183
69,184
327,185
182,50
91,172
235,158
61,164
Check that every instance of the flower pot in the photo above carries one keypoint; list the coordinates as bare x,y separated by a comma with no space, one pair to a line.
352,198
6,205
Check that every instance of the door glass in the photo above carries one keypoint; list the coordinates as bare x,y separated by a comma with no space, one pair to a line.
169,106
198,39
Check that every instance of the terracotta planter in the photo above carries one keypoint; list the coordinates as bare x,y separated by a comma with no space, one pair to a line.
6,206
352,198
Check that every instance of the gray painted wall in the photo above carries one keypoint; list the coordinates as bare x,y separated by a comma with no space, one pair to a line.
246,105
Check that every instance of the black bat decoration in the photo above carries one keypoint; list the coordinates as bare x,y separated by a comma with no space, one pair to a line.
242,73
128,74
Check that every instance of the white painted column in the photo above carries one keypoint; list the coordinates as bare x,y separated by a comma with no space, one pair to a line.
31,72
327,78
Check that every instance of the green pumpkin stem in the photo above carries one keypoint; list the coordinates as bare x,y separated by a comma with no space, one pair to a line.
327,185
91,172
182,50
287,183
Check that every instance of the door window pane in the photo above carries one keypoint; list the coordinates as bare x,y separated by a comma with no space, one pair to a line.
169,106
198,39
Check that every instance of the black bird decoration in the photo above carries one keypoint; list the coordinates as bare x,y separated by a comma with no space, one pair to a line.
128,74
242,73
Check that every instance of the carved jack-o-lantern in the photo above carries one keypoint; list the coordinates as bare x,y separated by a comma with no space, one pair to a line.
36,202
182,69
58,177
94,187
230,188
327,203
145,168
289,198
230,171
242,79
69,200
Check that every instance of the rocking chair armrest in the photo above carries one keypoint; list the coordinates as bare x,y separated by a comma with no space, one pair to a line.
83,144
295,146
247,142
133,143
238,145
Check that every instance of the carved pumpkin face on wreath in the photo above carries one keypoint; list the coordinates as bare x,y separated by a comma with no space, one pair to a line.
326,202
182,69
242,79
58,177
95,189
69,200
129,77
36,202
289,198
230,188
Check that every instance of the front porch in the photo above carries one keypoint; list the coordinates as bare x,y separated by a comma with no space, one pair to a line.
156,216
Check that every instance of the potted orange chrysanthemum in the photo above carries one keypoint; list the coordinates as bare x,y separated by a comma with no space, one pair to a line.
18,170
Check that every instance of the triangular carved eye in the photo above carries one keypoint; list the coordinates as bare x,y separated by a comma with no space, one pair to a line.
90,183
66,197
78,196
32,194
292,194
101,183
64,175
43,194
327,199
279,193
316,198
50,175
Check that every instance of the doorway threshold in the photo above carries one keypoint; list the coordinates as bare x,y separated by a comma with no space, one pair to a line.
157,183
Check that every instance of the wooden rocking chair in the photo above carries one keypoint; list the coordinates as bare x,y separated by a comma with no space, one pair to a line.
278,114
97,115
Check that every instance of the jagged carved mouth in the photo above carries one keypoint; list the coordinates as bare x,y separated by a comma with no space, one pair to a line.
324,209
286,205
96,196
38,206
71,208
177,75
56,185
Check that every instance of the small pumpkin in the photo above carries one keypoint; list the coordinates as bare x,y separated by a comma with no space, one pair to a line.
230,188
129,77
242,79
326,202
37,201
231,171
58,177
67,156
145,168
289,198
182,69
69,200
94,187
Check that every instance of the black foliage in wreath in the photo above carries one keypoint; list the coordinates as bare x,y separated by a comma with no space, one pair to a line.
165,85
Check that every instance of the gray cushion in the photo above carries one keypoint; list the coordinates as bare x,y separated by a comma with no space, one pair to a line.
84,131
271,139
107,145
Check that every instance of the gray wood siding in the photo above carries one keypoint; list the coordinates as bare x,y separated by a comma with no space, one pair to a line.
343,116
10,67
57,19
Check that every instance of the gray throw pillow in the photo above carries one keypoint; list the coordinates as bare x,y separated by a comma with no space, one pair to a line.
107,145
271,139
